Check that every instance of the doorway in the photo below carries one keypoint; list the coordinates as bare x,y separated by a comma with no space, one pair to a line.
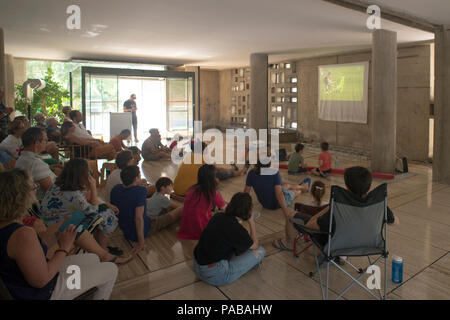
165,99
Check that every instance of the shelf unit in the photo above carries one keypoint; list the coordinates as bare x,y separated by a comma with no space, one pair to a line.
283,96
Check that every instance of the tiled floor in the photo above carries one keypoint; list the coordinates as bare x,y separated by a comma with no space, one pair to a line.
164,270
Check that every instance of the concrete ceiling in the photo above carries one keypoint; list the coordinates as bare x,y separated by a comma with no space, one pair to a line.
209,33
434,11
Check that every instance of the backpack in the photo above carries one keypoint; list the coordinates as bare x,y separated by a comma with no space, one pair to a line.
401,165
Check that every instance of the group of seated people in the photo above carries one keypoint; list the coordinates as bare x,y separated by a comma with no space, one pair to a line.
37,200
225,250
36,250
71,134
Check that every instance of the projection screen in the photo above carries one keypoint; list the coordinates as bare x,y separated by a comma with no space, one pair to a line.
343,92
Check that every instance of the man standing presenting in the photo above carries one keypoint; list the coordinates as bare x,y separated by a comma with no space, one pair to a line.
130,106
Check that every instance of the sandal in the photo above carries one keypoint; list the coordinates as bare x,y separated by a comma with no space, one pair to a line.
115,251
280,245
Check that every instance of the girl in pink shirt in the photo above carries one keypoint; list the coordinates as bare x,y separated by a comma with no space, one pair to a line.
200,200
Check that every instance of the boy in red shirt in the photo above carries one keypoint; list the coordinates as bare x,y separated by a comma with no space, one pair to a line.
325,160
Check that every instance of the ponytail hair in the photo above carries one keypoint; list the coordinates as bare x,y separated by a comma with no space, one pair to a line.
318,191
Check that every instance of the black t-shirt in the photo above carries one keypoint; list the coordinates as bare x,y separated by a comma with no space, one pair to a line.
324,221
222,237
129,104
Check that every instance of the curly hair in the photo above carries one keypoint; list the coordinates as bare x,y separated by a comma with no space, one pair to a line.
122,158
16,194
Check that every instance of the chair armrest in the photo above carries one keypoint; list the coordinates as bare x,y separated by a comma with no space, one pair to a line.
311,232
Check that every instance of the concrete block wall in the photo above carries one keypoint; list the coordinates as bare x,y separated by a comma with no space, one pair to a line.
209,98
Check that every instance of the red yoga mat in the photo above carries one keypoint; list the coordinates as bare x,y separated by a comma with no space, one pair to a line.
386,176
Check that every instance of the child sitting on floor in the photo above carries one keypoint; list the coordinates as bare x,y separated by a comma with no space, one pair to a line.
199,203
159,204
296,162
325,160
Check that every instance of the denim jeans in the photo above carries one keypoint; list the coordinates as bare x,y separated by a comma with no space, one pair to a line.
289,196
228,271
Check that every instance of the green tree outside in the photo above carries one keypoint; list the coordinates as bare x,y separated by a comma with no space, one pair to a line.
48,101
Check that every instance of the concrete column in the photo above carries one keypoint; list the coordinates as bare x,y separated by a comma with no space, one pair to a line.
2,60
384,101
9,85
20,70
258,91
197,111
441,158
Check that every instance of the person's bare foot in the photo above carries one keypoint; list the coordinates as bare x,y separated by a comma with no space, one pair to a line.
117,260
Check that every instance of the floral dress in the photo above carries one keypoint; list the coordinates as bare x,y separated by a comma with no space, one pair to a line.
57,204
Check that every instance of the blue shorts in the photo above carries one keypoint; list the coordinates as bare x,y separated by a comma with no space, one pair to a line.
289,196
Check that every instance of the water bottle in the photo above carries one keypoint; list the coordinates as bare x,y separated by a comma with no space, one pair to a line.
397,269
336,162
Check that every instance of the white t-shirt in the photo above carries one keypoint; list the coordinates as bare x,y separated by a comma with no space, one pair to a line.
12,145
111,182
37,168
156,204
80,131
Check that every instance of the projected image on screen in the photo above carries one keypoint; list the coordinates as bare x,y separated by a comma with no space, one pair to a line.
343,92
342,83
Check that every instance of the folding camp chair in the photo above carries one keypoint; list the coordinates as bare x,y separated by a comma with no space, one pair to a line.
359,228
311,211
